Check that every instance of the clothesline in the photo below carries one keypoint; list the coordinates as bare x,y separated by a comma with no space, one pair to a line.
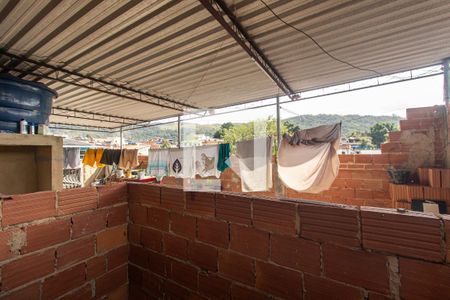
186,162
307,160
125,159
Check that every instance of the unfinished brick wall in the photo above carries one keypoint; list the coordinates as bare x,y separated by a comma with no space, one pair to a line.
66,245
230,246
433,184
422,139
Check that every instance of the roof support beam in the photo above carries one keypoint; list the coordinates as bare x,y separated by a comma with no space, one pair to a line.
241,36
78,114
76,127
97,84
95,87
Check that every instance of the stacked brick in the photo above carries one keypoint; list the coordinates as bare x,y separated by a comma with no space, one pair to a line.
434,185
186,245
65,245
429,123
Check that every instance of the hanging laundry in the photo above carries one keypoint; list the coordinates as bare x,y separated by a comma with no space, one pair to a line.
98,157
92,157
255,164
206,158
308,160
181,162
111,156
71,158
223,161
89,157
128,159
158,163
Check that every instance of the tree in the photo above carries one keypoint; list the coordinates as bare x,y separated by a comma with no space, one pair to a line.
290,127
379,132
166,144
251,130
365,143
219,134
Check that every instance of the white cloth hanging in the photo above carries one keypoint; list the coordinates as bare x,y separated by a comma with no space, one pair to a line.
158,163
255,164
181,162
206,158
72,158
308,160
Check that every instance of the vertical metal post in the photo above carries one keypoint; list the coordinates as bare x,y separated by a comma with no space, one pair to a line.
278,123
179,133
279,191
121,138
446,63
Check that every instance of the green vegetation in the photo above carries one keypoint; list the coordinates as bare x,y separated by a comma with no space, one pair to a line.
379,132
220,133
165,144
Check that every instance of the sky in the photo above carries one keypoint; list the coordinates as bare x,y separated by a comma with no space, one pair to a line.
380,100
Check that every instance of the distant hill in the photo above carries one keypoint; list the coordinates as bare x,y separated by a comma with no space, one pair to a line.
350,123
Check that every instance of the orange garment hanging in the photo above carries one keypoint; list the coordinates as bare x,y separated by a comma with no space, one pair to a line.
92,157
89,157
98,157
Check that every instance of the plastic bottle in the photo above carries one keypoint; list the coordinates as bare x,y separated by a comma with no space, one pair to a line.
23,126
31,129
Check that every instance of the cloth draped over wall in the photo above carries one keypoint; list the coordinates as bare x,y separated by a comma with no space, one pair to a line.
255,164
308,160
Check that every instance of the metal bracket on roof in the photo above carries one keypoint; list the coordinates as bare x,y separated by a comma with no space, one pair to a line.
79,114
235,29
67,76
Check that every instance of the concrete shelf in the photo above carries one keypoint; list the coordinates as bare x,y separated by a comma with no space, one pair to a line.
30,163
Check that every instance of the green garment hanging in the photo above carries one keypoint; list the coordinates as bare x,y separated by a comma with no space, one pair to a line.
224,157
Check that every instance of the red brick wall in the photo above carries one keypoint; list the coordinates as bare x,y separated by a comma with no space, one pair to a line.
74,245
362,180
422,139
70,244
230,246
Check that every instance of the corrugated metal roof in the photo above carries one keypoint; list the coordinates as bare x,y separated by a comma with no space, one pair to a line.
177,48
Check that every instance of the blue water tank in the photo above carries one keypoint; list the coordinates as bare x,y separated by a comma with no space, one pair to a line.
23,99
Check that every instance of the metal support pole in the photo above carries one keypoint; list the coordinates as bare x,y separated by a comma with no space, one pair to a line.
121,138
279,190
278,123
179,133
446,64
